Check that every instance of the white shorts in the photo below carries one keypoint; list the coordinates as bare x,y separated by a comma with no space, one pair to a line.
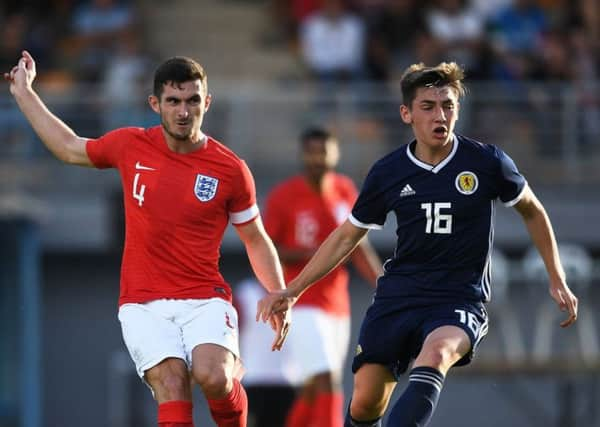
318,342
164,328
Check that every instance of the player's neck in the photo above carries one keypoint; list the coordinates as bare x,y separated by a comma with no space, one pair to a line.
317,183
433,155
186,146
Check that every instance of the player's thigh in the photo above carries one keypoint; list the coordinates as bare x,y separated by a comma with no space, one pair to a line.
451,335
318,342
149,337
212,365
443,347
210,321
373,387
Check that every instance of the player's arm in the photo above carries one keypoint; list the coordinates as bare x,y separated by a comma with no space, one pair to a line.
267,268
541,232
367,262
262,254
60,139
334,250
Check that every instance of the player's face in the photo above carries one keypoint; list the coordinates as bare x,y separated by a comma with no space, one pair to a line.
181,108
433,114
320,156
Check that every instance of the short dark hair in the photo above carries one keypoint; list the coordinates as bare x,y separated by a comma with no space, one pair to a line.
178,69
315,132
418,75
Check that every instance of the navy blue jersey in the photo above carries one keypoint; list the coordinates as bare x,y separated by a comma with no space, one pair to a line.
445,218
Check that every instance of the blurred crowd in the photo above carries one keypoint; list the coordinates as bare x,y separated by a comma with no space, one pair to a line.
541,56
71,40
542,40
94,46
91,54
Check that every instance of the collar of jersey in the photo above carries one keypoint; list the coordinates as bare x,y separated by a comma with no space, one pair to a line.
440,165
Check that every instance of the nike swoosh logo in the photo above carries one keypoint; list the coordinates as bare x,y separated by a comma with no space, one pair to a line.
139,166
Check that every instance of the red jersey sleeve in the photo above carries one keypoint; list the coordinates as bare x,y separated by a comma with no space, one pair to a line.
242,206
106,151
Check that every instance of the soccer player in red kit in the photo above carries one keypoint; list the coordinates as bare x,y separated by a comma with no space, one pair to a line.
300,213
181,188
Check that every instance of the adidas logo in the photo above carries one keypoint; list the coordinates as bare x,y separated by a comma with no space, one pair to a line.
407,191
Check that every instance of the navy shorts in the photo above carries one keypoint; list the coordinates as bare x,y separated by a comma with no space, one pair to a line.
393,333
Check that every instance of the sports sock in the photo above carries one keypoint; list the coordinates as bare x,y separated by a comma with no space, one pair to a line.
351,422
231,410
299,414
327,410
415,406
175,413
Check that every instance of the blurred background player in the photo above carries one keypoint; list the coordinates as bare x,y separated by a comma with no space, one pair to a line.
270,378
300,213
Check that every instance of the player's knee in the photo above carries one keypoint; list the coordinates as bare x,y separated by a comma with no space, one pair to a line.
438,355
215,383
169,384
367,406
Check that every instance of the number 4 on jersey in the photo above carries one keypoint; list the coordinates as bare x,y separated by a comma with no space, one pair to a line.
138,195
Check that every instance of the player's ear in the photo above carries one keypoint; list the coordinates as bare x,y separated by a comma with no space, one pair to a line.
154,103
207,102
405,114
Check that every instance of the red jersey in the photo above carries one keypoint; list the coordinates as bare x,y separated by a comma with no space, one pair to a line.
176,209
298,217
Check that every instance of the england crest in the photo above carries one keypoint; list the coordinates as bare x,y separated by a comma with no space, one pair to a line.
206,187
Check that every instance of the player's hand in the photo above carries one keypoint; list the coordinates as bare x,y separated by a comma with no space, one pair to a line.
22,75
274,302
566,301
280,322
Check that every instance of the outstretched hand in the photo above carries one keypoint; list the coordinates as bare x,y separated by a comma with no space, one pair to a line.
566,301
22,75
275,307
274,302
280,322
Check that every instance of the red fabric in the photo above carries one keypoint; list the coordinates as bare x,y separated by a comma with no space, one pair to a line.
328,410
232,410
176,413
172,235
300,414
297,217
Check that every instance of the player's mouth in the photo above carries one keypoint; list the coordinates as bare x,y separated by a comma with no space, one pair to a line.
440,132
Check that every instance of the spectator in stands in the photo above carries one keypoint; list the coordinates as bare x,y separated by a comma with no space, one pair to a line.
124,83
333,43
396,35
97,27
458,33
516,37
289,14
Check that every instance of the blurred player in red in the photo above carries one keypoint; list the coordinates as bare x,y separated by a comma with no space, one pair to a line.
300,213
270,380
181,188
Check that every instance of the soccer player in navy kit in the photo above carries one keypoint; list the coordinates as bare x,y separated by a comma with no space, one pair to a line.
429,305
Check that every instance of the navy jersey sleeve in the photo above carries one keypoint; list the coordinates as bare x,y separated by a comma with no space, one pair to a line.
370,209
512,183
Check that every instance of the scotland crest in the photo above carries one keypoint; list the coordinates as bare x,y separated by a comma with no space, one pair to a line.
206,187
